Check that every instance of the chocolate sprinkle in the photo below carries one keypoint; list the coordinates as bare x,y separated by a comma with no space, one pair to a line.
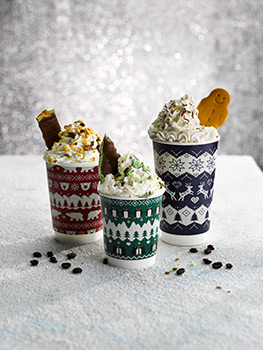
49,254
210,246
193,250
34,262
65,265
71,255
207,261
37,254
180,271
229,266
167,273
77,270
207,251
217,265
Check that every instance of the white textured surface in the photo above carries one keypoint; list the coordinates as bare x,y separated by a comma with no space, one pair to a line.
45,307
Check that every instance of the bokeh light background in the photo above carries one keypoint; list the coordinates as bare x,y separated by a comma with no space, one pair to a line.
114,63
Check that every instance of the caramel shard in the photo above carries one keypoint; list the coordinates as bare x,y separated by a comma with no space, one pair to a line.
49,125
108,158
213,110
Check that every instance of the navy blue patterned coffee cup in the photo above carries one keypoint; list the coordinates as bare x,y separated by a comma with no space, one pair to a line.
188,171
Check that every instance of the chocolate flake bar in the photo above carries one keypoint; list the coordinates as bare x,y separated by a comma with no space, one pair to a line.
49,125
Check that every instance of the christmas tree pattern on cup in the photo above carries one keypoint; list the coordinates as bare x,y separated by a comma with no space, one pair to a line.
130,227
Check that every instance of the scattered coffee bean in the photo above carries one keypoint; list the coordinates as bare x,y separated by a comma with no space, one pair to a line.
229,266
207,261
53,259
71,255
210,246
77,270
49,254
193,250
174,268
167,273
34,262
105,261
37,254
65,265
207,251
180,271
217,265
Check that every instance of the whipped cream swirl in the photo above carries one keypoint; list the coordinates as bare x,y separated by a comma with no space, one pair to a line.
77,144
134,179
178,122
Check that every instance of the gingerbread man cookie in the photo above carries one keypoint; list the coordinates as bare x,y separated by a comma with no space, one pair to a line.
213,110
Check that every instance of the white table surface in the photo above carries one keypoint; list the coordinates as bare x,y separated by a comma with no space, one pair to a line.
45,307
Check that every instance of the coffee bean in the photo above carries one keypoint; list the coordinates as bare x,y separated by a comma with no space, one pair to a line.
180,271
34,262
207,261
207,251
77,270
229,266
210,246
37,254
217,265
193,250
53,259
49,254
71,255
65,265
105,261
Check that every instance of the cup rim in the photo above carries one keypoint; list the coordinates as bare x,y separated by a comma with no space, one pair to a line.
156,194
186,143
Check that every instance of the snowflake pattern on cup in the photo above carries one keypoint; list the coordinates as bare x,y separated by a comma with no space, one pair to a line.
74,200
188,172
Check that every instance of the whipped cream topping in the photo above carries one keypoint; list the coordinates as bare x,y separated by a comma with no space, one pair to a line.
134,179
178,122
77,144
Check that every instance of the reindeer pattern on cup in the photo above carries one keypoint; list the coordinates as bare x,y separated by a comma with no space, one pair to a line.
188,172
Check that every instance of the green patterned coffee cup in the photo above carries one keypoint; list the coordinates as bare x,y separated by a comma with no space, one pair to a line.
130,228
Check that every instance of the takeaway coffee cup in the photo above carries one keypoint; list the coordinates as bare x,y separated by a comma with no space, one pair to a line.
188,171
75,202
130,228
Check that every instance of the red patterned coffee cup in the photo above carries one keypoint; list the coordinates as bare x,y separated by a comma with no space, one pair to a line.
75,202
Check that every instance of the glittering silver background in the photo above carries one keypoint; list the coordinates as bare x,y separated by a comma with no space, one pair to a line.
115,63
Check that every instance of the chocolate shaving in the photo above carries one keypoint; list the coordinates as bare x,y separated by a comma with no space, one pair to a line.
109,157
88,148
49,125
71,134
